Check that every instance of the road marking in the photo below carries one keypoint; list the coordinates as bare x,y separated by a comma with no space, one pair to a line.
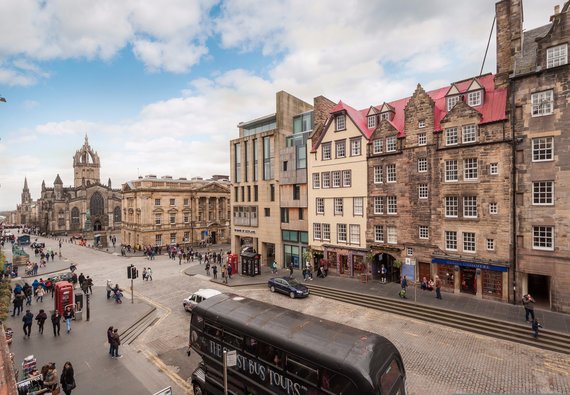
185,386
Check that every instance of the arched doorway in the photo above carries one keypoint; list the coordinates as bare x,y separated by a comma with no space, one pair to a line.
97,226
392,272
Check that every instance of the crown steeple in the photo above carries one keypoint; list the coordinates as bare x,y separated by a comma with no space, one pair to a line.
86,165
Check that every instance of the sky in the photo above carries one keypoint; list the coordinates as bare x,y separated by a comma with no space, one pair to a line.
160,86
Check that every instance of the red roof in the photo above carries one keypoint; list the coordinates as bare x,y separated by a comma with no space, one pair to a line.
493,108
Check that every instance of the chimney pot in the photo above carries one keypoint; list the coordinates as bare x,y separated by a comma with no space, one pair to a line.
556,9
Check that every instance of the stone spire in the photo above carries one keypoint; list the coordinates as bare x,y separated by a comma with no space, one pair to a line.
26,184
58,181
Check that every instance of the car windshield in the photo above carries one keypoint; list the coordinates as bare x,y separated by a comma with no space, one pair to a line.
293,283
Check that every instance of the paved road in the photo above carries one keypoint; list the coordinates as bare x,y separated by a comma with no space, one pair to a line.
438,359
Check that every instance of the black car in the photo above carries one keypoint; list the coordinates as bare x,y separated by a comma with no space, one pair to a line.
38,245
288,286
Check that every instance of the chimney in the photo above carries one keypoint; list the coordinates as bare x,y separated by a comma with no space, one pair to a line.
509,15
556,12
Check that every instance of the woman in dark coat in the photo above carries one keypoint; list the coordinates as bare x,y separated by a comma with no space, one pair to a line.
67,380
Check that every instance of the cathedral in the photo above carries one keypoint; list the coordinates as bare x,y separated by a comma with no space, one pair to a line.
84,208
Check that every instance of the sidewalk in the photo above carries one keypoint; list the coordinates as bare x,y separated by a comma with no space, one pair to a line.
57,265
453,302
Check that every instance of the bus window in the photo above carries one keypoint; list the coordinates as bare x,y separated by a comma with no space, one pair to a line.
250,345
390,377
232,340
213,331
335,383
302,369
270,354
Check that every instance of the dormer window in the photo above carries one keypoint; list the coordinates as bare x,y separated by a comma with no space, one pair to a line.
340,122
452,101
371,121
385,115
557,56
422,124
474,99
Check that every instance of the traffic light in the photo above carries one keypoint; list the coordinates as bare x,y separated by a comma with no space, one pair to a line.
132,272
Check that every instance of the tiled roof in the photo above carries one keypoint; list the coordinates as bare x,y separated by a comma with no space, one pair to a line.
525,61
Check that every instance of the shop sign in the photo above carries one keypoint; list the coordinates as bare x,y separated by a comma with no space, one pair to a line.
470,264
244,230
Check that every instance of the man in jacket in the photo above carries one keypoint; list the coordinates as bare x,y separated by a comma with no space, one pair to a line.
28,320
528,303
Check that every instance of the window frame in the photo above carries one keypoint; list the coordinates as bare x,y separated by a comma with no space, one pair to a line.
326,151
391,144
341,230
356,146
422,138
391,175
392,205
494,169
378,174
423,191
469,242
542,103
449,170
423,232
550,237
555,60
450,237
493,208
378,233
451,101
319,206
316,180
543,197
475,98
490,244
470,169
336,178
451,206
358,206
346,178
451,136
378,146
545,149
470,131
340,122
378,205
340,149
338,204
392,234
317,231
422,165
470,207
371,121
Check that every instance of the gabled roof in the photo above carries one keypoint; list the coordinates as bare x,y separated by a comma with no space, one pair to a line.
386,107
475,85
372,111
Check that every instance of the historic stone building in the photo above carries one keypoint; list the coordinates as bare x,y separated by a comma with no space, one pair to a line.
26,212
164,211
87,207
536,61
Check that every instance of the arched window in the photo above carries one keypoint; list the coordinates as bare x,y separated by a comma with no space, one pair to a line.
117,214
97,204
75,216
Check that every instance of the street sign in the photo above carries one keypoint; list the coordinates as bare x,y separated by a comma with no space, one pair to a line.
232,358
166,391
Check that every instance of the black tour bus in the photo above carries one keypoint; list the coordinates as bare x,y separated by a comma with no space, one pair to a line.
281,351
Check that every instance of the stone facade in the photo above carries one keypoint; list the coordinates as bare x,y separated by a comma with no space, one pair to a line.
164,211
26,212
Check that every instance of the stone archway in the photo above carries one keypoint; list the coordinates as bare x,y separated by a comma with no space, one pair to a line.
392,272
97,226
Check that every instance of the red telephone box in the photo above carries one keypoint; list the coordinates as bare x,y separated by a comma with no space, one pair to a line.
63,295
233,261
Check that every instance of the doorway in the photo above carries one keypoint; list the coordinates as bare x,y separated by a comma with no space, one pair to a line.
468,280
97,226
213,238
424,271
539,288
392,272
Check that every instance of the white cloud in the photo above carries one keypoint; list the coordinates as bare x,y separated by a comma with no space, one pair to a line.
66,128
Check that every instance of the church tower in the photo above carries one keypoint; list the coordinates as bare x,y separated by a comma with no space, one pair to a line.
26,197
86,165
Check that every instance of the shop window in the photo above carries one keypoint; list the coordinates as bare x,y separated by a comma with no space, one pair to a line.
492,283
446,275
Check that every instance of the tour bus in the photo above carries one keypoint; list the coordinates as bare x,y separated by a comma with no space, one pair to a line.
24,240
281,351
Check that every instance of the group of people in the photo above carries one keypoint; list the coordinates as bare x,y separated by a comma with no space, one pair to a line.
425,285
114,342
50,380
41,318
147,274
115,291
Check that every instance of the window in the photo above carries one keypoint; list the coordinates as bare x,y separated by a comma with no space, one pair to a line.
316,180
385,115
469,133
451,137
451,206
493,208
494,169
267,159
423,191
543,193
284,215
542,149
421,124
377,146
336,179
354,234
186,237
186,218
326,151
422,139
326,180
409,251
346,178
468,241
422,165
172,218
470,206
391,173
255,193
392,203
357,206
341,233
470,169
557,56
451,240
158,240
173,238
340,148
301,213
157,219
391,144
320,205
392,235
379,233
338,206
490,244
378,205
377,174
542,103
157,202
452,101
371,121
355,145
317,235
296,192
474,98
173,202
543,238
186,202
451,170
327,232
271,192
424,232
340,122
285,165
267,211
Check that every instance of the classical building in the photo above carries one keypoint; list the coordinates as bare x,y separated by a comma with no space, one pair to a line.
84,208
163,211
537,63
259,205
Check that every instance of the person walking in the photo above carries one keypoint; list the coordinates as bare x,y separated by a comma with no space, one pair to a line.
41,319
28,319
56,322
404,286
224,274
50,377
528,303
110,340
40,292
383,273
81,279
89,281
109,288
290,267
149,274
437,287
215,272
229,271
67,380
535,325
144,274
116,342
68,315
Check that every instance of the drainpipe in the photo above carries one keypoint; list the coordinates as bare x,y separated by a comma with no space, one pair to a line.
513,187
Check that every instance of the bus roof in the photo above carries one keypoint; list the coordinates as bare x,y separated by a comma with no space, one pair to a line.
323,341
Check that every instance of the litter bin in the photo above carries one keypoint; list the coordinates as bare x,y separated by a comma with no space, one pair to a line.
79,301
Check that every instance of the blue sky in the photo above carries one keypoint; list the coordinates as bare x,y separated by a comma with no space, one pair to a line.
159,87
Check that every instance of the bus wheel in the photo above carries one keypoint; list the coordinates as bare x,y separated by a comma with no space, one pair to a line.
272,288
198,390
292,295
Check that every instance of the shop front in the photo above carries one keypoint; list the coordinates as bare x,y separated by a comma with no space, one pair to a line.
345,262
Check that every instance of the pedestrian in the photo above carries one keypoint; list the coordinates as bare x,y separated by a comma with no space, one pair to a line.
18,303
437,287
224,274
56,322
68,315
290,267
528,303
41,319
50,377
274,267
74,280
67,380
28,319
116,342
109,288
110,340
81,280
404,286
215,271
230,271
149,274
144,274
207,269
383,273
535,325
40,292
118,292
89,281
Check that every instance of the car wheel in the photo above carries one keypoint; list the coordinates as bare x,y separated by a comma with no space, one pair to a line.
292,295
198,390
272,288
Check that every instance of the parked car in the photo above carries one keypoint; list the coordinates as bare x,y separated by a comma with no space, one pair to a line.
38,245
288,286
197,297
